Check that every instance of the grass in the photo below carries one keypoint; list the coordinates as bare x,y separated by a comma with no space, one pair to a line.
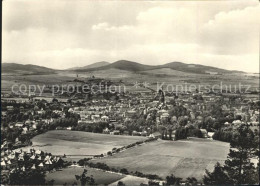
131,180
67,175
59,142
166,75
186,158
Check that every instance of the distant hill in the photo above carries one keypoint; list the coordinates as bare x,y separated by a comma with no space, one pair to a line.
194,68
25,69
177,66
133,67
93,65
122,65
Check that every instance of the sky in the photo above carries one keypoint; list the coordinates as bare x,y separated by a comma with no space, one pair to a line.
61,34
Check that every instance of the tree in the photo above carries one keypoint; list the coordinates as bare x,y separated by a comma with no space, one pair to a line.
29,177
181,133
120,183
172,180
183,121
243,147
191,181
162,130
238,117
54,100
217,177
124,171
170,133
85,180
153,183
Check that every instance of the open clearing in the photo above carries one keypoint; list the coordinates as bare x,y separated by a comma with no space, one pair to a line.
67,175
185,158
131,180
76,143
166,75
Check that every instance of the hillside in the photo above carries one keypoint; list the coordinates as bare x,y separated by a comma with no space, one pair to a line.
177,66
193,68
122,65
93,65
25,69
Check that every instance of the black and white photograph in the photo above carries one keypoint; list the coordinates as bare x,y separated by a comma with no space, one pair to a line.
130,92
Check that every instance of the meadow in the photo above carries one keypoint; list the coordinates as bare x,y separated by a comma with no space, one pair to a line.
166,75
184,158
101,177
67,175
77,143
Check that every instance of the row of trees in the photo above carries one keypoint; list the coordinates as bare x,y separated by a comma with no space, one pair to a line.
180,133
93,127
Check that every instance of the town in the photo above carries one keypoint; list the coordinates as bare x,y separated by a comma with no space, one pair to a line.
147,113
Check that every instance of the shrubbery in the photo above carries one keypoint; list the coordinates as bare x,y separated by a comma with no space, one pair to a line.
221,135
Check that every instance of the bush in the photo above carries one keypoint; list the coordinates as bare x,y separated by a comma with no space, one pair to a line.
124,171
153,177
153,183
181,133
225,136
120,183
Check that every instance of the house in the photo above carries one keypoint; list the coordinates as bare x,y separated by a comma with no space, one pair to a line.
130,113
204,133
19,124
144,133
164,116
25,130
115,132
10,108
95,117
211,72
3,113
135,133
104,118
210,134
237,122
106,131
38,152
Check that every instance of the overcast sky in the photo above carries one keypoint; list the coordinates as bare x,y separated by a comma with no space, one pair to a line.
63,34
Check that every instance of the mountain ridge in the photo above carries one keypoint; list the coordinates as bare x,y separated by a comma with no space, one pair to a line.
26,69
121,65
179,66
93,65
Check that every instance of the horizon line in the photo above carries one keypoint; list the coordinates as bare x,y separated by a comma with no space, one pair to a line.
128,61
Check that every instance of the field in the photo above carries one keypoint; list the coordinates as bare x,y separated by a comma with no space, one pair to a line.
76,143
131,180
67,175
185,158
168,76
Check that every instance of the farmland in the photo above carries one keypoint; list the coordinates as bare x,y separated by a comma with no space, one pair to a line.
166,75
101,177
185,158
68,176
77,143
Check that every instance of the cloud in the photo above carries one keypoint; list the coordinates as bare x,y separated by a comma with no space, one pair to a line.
64,34
233,32
106,27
